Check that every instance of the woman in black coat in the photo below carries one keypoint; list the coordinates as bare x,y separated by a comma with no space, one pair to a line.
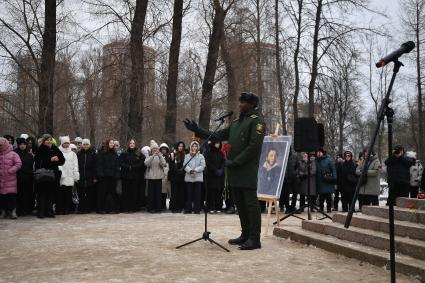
48,156
214,159
86,187
25,177
132,167
348,180
176,177
108,172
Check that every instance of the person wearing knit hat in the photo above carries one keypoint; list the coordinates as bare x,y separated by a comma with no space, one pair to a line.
25,176
155,165
78,142
64,139
86,186
48,156
194,167
10,163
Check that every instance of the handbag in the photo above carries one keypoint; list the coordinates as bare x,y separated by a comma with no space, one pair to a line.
44,175
328,178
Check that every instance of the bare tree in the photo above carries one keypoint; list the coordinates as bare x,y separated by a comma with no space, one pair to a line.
211,65
173,72
414,19
282,101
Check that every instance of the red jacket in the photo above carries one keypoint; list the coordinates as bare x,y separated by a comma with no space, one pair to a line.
10,163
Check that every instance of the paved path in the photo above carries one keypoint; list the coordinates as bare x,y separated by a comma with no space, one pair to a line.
141,248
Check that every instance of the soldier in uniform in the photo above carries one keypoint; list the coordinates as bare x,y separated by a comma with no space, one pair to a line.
245,136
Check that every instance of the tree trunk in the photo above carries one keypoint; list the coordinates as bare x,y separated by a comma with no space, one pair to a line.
258,55
282,102
173,72
314,65
232,97
211,67
135,113
296,68
47,69
419,86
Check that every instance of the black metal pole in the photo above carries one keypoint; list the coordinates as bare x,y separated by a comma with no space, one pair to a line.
390,115
383,111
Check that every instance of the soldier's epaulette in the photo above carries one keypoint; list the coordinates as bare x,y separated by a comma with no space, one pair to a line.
254,116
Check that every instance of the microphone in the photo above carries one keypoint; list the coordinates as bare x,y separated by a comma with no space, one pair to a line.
393,56
224,116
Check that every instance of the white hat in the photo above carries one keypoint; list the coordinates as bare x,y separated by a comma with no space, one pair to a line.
153,144
64,139
24,136
86,141
78,140
145,150
411,154
73,146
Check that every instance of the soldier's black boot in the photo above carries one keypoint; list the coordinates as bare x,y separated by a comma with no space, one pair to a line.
250,245
239,240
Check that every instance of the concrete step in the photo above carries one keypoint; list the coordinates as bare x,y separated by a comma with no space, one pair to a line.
404,264
379,240
401,228
402,214
412,203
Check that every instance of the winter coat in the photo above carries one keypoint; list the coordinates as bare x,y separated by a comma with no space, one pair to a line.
43,156
155,165
325,166
197,164
214,160
10,163
372,186
132,166
26,173
416,174
302,172
87,167
108,165
291,169
348,176
398,169
70,172
176,173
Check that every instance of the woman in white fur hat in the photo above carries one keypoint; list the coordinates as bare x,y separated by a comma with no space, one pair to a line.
70,175
155,171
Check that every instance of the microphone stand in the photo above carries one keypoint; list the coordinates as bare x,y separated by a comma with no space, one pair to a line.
206,233
384,110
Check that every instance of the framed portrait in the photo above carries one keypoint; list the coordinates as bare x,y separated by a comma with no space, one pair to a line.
272,167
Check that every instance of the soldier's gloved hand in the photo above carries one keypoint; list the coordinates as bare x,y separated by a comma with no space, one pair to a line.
228,163
190,125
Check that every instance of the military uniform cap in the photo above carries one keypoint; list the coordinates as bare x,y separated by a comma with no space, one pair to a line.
249,97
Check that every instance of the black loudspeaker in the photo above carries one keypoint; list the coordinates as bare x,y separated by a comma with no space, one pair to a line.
306,135
321,134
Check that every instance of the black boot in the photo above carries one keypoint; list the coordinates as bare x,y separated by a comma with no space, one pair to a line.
250,245
238,241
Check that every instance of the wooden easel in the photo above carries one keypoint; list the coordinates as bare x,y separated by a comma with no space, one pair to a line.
270,200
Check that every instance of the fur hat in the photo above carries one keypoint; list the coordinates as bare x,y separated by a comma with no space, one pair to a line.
78,140
85,141
64,139
250,98
153,145
21,140
24,136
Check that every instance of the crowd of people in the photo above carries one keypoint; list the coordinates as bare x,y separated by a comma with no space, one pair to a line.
46,177
334,181
109,179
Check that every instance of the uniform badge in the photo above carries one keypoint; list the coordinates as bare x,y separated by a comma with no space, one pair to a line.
260,129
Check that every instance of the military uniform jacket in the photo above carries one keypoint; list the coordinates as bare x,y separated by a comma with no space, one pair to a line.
245,136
